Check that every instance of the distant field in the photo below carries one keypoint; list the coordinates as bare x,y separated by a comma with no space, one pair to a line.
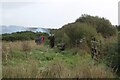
25,59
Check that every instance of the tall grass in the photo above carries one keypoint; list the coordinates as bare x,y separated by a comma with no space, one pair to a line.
9,47
28,70
57,65
82,69
56,69
92,71
18,44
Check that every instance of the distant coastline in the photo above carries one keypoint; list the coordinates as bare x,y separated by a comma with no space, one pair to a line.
13,28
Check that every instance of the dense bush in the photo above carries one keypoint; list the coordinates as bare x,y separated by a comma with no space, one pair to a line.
118,28
79,30
102,25
118,54
112,56
86,26
76,31
92,26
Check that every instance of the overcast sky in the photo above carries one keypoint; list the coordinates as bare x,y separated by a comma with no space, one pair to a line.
54,13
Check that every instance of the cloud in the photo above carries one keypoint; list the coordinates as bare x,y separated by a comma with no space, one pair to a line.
119,13
55,13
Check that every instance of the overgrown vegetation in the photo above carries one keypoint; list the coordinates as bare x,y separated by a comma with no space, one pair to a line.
102,25
25,56
43,62
87,27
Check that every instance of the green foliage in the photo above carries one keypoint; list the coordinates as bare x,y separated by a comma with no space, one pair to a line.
102,25
118,54
92,26
112,56
86,27
44,62
24,35
76,31
118,27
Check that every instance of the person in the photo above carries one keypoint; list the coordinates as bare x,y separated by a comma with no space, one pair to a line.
62,46
77,43
38,40
42,38
52,40
93,47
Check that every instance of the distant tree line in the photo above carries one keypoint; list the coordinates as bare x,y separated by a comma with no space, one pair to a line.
24,35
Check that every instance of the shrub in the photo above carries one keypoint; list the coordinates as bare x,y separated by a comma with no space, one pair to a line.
102,25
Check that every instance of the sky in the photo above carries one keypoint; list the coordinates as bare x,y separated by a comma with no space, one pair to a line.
54,13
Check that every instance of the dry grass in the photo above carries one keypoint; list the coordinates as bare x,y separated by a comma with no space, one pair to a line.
92,71
57,68
8,47
18,45
26,47
28,70
5,51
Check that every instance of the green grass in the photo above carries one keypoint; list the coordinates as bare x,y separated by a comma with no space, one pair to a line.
46,62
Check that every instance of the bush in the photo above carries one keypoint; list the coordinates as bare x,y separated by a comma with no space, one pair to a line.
76,31
112,56
102,25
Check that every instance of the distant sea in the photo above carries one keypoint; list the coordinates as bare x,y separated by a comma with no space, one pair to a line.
13,28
